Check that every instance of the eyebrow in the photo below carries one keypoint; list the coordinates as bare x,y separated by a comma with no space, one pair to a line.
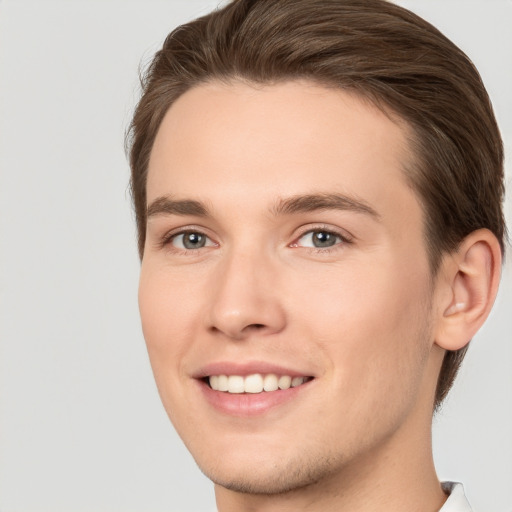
315,202
166,205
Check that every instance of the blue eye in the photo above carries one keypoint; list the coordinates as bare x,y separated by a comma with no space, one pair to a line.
191,240
320,239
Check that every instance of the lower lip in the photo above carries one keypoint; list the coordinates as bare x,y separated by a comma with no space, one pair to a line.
250,404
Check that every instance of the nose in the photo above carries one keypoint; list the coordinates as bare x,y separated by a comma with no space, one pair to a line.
245,297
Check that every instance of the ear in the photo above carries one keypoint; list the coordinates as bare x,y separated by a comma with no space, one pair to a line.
469,283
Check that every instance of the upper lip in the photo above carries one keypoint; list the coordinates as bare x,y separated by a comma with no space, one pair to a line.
247,368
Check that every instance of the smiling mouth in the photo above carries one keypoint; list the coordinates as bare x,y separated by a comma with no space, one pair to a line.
255,383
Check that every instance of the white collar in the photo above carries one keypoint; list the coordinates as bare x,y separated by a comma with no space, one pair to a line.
456,501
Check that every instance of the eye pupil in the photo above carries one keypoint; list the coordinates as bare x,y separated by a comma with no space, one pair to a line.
323,239
193,240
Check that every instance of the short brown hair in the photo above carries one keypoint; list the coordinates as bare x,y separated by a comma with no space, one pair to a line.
381,52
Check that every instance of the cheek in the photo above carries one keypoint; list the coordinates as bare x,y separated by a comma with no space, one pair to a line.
167,316
371,324
167,319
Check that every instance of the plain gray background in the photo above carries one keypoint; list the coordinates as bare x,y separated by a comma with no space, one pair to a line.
81,424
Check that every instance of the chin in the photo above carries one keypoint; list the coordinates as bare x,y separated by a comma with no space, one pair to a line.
270,477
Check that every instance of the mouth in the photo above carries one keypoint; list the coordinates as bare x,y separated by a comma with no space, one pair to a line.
252,388
254,383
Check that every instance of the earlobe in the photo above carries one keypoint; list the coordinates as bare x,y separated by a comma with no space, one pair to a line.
471,283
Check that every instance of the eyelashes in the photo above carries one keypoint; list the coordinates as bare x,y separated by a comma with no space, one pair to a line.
190,240
320,239
317,239
187,241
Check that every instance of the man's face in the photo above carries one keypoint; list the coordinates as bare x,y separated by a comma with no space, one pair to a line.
283,242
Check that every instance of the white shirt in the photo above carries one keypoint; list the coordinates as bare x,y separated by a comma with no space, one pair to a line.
456,501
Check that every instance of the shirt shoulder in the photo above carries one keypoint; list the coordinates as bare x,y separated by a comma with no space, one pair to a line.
457,501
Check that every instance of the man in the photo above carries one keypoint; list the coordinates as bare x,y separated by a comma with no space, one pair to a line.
318,189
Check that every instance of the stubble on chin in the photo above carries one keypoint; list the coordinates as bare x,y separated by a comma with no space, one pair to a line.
278,479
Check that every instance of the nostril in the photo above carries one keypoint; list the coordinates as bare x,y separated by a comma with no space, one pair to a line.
254,327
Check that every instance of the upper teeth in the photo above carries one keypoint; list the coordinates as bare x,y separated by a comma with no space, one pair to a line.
255,383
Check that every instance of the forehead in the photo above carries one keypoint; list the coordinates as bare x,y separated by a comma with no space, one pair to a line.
258,143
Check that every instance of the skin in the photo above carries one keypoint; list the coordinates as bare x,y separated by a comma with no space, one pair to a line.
361,316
